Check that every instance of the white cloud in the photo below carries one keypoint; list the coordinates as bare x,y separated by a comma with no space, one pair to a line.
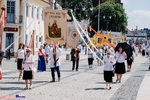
140,18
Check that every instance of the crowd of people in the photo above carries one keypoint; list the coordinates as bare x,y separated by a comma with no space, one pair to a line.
114,62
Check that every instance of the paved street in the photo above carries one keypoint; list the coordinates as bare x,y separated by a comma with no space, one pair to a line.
86,84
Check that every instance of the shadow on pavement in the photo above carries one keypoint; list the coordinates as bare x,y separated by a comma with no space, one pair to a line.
105,83
12,88
9,77
34,82
95,89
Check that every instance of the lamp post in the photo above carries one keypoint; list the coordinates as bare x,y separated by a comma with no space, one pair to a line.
98,17
107,21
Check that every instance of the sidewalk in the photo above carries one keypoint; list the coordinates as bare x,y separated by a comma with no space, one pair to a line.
144,91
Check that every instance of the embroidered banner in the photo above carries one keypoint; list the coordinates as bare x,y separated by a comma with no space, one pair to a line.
55,25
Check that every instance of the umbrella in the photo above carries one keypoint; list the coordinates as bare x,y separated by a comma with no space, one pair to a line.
126,48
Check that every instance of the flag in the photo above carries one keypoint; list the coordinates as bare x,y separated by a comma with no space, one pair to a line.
1,27
31,43
4,18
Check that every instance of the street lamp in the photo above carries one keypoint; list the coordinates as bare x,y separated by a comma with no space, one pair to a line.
107,21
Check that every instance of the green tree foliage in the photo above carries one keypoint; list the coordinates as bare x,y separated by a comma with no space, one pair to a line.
117,23
77,7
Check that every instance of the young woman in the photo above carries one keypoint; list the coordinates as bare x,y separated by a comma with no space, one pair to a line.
28,64
109,61
120,64
143,49
90,58
129,62
73,58
19,59
41,62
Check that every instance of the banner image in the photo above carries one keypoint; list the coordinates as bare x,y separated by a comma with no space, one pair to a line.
55,25
72,36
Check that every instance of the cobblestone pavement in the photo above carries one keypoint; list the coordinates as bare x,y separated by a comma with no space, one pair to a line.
86,84
129,90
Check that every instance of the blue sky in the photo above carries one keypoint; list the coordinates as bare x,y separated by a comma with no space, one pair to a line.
138,12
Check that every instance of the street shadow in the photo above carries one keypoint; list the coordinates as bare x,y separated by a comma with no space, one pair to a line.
12,83
9,77
11,88
36,82
105,83
144,70
66,71
95,89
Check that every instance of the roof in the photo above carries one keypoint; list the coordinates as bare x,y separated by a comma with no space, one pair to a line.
135,35
47,1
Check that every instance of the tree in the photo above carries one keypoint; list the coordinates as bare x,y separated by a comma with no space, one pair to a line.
117,23
77,7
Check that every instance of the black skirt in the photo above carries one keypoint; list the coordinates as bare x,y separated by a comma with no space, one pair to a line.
129,62
108,76
27,75
90,61
19,64
143,52
120,68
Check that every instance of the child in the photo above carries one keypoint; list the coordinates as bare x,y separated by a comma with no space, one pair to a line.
28,65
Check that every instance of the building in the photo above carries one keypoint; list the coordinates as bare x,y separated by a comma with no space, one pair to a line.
96,2
19,15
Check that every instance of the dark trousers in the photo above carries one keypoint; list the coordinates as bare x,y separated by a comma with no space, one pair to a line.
53,72
77,64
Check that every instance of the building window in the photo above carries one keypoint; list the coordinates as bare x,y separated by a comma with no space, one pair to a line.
37,13
26,41
42,15
37,41
32,13
42,40
27,11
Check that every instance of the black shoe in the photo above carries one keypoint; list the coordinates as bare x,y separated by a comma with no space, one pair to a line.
52,81
109,88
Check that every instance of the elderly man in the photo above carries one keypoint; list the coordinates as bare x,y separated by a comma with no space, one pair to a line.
55,54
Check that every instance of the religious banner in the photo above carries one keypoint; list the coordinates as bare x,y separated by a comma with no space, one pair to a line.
55,25
72,36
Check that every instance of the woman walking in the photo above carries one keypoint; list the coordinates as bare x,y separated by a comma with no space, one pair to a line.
73,58
41,62
129,62
109,61
120,64
90,58
19,59
28,64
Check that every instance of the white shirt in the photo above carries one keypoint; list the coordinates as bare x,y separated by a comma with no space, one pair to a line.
80,47
91,54
21,53
47,49
119,57
28,59
143,47
109,66
42,51
58,54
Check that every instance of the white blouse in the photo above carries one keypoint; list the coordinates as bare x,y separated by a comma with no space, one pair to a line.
58,54
28,59
42,51
21,53
47,49
91,54
120,58
109,66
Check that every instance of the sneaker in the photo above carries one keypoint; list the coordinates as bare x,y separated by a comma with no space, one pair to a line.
26,88
30,87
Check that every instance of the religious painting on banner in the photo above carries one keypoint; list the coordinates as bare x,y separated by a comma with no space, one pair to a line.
55,25
73,36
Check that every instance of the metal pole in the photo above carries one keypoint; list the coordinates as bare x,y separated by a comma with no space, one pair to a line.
99,17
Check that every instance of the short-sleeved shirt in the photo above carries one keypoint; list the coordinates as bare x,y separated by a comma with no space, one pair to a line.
21,53
120,58
42,51
28,59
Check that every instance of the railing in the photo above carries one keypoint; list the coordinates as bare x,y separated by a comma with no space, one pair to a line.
14,19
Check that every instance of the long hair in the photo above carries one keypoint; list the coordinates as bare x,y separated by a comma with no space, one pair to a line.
20,46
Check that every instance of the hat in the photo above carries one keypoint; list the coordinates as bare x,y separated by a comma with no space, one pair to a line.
28,49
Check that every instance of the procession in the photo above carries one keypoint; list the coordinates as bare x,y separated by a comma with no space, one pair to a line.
55,51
